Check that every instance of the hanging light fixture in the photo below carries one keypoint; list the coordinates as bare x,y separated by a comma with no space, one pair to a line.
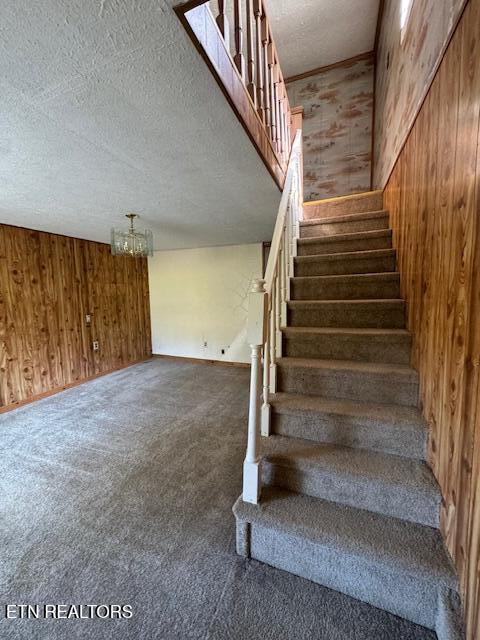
132,243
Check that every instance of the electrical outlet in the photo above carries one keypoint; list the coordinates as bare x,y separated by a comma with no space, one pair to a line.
205,344
88,318
95,345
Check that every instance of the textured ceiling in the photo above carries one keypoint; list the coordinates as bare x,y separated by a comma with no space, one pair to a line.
316,33
106,107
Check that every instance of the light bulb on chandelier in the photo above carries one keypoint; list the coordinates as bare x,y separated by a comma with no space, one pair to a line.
132,243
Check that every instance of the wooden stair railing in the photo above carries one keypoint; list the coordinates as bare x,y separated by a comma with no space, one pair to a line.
235,39
267,313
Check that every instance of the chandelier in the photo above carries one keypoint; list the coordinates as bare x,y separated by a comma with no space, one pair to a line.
131,242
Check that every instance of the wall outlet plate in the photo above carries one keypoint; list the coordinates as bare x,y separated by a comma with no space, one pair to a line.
88,318
95,345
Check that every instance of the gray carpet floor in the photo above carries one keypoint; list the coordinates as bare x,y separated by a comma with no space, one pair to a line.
120,491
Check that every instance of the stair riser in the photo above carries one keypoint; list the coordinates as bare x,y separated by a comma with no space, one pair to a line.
362,316
351,226
344,246
358,491
352,432
345,267
403,595
339,206
364,288
393,350
350,385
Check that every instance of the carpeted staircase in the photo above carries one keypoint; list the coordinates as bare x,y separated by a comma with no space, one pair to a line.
348,500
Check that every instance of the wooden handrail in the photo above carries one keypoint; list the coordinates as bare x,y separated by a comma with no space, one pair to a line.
264,109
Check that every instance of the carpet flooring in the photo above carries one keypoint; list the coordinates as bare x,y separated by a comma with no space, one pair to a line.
119,491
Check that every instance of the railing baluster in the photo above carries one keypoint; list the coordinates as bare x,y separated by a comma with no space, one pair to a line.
221,18
238,29
257,11
265,417
266,73
277,111
273,337
280,117
252,90
271,89
278,307
222,22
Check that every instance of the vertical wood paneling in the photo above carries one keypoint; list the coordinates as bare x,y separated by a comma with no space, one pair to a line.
47,285
433,196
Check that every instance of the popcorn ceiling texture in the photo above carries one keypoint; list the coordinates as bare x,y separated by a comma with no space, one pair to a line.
312,33
107,107
337,129
405,71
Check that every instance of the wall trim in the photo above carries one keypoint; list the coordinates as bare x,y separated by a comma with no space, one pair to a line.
207,361
328,67
52,392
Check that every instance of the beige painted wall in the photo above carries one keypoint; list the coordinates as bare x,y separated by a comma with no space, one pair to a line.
201,295
337,129
405,71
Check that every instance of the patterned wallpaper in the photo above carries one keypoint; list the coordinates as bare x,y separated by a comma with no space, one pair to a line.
405,71
337,129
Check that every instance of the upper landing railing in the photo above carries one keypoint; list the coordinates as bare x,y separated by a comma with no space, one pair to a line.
235,38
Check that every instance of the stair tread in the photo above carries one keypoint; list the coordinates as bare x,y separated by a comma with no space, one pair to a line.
379,368
390,469
401,546
359,302
352,277
347,255
345,331
349,217
296,403
338,237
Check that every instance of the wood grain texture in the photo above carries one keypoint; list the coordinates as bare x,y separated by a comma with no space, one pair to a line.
433,196
48,283
405,68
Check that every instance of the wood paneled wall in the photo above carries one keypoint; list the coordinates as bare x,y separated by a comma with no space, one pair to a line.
48,283
434,200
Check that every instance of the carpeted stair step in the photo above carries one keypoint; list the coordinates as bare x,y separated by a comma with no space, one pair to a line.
344,205
344,243
368,345
352,223
352,287
388,314
394,486
379,427
376,261
363,381
392,564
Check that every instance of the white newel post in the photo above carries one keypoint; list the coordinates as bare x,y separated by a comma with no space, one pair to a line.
256,340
